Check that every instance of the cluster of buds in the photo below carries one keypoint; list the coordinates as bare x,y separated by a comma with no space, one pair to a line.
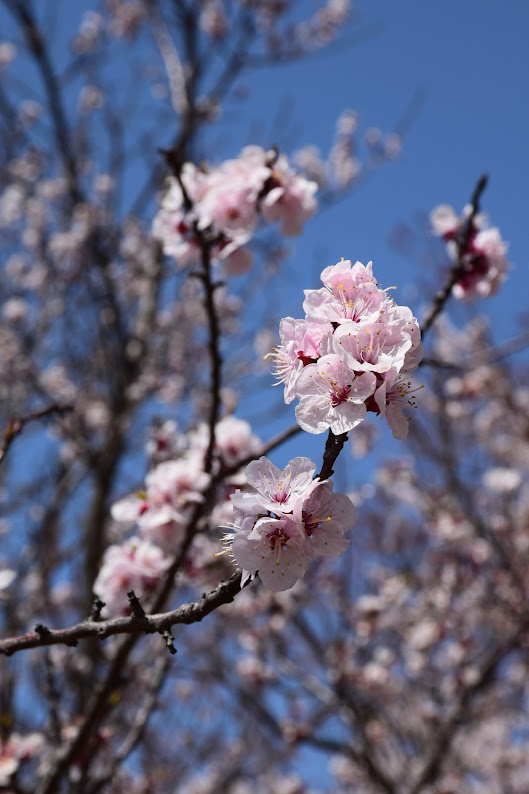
351,354
479,251
285,519
221,208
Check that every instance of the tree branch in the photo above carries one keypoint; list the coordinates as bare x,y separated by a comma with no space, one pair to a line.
194,612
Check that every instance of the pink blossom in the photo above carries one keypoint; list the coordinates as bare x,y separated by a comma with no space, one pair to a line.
172,486
372,347
326,517
361,303
135,565
173,225
234,441
283,520
273,489
392,397
161,511
485,267
445,222
332,396
300,342
277,548
175,231
229,203
481,252
14,750
289,198
351,327
351,293
226,204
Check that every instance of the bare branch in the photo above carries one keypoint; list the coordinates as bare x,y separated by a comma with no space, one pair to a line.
194,612
16,424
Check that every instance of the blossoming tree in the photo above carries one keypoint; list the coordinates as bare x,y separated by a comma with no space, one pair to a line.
383,628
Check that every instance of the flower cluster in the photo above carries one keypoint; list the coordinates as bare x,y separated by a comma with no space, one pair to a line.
480,250
135,565
285,519
162,510
351,354
224,206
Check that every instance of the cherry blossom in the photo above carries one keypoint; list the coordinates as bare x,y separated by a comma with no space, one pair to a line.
162,509
234,440
325,518
277,548
273,489
15,750
226,204
392,397
332,396
289,198
283,520
480,251
135,565
300,343
372,347
334,359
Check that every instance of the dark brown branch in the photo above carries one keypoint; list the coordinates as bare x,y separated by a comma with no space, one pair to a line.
333,447
16,424
224,593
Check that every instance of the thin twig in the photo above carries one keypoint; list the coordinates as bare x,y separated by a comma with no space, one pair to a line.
16,424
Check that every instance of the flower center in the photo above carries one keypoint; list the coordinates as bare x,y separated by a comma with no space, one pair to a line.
339,396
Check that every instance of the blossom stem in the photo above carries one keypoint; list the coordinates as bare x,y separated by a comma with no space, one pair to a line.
333,447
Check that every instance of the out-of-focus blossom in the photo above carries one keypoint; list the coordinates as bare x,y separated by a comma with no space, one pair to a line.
136,565
502,480
480,252
8,52
222,208
16,749
213,19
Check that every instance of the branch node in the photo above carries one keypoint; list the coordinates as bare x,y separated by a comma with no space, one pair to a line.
138,611
95,613
42,630
169,642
